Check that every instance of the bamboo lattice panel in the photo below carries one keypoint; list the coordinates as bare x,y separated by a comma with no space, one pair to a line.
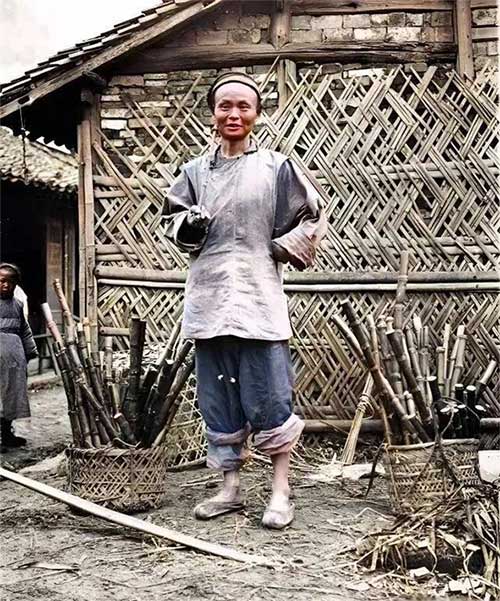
401,158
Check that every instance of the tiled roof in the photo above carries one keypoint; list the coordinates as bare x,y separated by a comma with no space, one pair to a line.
45,167
67,59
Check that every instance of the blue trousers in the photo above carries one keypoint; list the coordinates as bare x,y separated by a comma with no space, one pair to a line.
245,386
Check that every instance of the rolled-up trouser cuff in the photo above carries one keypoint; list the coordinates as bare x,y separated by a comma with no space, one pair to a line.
280,439
227,451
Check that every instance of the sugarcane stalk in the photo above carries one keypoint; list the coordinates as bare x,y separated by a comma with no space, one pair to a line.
410,424
472,416
440,405
458,366
83,418
396,340
173,400
401,290
158,403
97,409
482,383
460,418
411,347
426,393
441,369
56,335
446,346
349,338
137,335
69,321
453,356
390,364
156,398
65,371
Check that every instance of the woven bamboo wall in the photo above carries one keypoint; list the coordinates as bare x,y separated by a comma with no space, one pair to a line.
401,158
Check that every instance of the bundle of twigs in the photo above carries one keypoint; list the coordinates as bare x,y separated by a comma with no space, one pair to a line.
457,537
103,411
397,358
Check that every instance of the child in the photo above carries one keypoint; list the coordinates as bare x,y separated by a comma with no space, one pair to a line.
17,346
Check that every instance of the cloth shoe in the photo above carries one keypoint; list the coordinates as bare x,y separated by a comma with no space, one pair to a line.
7,437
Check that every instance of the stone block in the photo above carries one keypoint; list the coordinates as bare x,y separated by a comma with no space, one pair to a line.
443,34
247,22
111,98
115,124
212,38
404,34
480,48
156,76
357,21
302,36
242,36
391,19
127,80
115,113
492,48
263,21
333,35
414,19
373,33
441,18
481,61
485,17
156,83
301,22
326,22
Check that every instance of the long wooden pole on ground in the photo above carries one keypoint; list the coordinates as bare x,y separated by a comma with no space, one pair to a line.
135,523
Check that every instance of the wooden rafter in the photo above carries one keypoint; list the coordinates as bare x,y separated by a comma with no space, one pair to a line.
332,7
145,36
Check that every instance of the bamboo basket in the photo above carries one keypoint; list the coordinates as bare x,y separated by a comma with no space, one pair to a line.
127,480
422,475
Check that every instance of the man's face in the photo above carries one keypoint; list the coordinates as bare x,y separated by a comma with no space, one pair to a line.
235,111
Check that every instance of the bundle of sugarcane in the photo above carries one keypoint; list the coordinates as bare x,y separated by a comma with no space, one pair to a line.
416,404
104,411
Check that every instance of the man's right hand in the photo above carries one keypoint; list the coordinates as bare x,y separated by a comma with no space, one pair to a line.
198,217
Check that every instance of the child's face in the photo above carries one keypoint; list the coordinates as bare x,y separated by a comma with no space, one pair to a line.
7,283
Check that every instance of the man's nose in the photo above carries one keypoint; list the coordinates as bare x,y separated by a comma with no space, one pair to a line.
234,113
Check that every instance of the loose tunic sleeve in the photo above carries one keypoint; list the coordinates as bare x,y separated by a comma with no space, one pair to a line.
299,223
180,198
27,339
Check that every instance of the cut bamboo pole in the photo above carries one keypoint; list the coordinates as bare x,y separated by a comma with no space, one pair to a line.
130,522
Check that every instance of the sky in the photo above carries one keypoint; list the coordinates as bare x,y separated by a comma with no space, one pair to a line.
33,30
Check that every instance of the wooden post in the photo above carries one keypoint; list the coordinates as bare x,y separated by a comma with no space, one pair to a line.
463,32
280,35
87,133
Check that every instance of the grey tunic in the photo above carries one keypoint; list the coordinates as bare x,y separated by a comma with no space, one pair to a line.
16,346
261,208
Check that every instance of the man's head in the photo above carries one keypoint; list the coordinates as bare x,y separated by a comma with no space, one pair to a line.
234,100
10,277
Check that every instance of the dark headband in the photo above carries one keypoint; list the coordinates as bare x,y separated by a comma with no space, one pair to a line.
231,77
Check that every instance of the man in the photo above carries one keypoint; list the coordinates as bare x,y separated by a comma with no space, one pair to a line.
241,212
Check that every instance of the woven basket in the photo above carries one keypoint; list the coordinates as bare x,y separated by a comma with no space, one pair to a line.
128,480
422,475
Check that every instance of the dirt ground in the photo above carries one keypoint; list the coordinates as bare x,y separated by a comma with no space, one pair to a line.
49,553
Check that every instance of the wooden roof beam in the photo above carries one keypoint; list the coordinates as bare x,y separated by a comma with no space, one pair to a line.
332,7
145,36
